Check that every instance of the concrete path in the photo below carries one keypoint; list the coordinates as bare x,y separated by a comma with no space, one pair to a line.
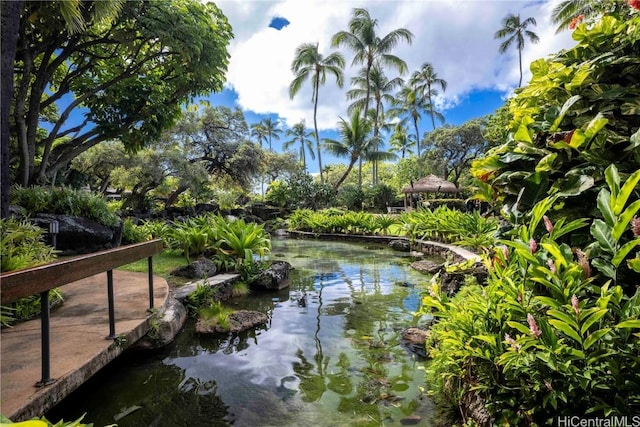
79,347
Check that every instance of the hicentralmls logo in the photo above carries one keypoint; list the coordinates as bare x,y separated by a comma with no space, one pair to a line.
615,421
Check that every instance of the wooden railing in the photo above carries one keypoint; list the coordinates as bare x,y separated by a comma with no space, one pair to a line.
41,279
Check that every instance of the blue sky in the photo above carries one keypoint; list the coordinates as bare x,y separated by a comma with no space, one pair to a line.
456,37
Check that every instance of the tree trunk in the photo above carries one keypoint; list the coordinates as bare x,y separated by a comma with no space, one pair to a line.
345,174
9,38
315,126
173,197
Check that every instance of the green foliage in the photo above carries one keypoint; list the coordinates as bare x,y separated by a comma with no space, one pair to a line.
133,233
216,315
351,197
300,191
202,297
380,197
22,245
577,116
243,240
64,201
451,226
43,422
544,336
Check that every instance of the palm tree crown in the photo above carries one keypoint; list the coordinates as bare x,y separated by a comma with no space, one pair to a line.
308,61
424,81
515,30
368,47
567,13
300,135
271,129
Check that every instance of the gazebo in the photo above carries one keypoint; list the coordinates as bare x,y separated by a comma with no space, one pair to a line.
428,184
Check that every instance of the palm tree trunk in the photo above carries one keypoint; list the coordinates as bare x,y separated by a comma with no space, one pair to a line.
520,62
345,174
415,125
315,126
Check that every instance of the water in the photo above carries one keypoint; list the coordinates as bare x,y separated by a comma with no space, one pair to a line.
331,355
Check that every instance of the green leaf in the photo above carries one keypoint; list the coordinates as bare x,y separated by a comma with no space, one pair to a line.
631,108
563,327
548,301
594,337
623,220
519,327
591,319
629,324
604,198
565,108
634,140
602,233
546,163
489,339
634,264
522,134
604,267
577,139
564,317
623,252
613,180
629,186
595,126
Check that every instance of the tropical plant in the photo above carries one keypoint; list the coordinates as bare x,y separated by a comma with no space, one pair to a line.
411,104
368,47
22,245
43,422
259,132
300,135
515,31
243,240
569,13
271,130
577,116
355,142
308,61
64,201
400,140
132,232
544,336
216,316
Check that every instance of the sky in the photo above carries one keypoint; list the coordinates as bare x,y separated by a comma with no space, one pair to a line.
456,37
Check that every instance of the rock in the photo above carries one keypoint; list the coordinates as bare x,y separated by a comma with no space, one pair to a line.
79,235
239,321
168,322
201,268
426,266
473,407
411,420
414,339
400,245
273,278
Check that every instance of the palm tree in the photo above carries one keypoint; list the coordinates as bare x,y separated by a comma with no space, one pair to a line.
300,135
308,61
400,140
411,105
271,129
259,132
515,31
368,47
569,11
425,80
381,89
354,143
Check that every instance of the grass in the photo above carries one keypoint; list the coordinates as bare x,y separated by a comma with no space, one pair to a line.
163,264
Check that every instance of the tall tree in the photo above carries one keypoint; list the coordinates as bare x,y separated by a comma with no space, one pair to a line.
271,129
515,31
411,105
400,140
300,135
382,90
355,139
126,78
259,132
425,81
368,47
308,61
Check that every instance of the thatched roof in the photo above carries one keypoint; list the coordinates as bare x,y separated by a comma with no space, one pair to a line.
431,184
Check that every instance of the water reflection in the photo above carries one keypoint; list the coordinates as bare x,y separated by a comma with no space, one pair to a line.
329,356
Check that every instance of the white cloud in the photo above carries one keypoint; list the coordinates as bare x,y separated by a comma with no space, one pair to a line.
456,37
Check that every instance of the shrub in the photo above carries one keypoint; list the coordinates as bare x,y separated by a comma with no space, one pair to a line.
22,245
65,201
351,197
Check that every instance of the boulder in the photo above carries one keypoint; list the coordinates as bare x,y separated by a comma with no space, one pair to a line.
273,278
201,268
426,266
414,339
400,245
239,321
163,330
79,235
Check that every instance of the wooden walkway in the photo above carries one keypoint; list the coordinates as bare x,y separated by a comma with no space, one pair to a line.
79,347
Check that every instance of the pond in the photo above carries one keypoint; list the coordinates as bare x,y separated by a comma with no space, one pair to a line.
330,355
